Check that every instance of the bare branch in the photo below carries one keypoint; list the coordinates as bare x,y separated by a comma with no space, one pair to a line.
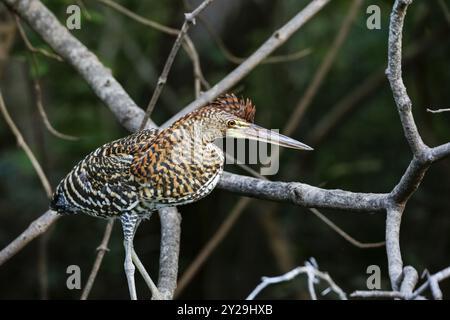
100,79
225,227
189,19
440,152
187,43
438,110
404,279
48,125
275,41
311,271
377,294
395,262
147,22
394,74
85,62
32,48
302,194
21,142
238,60
344,234
409,282
37,86
170,249
101,250
35,229
433,280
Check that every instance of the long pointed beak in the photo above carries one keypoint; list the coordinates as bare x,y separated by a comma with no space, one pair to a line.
255,132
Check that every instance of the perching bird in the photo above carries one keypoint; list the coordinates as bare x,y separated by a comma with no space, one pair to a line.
131,177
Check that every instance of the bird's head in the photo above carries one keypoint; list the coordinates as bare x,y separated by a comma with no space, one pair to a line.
229,116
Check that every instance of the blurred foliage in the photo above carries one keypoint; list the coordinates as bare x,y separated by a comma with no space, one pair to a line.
366,151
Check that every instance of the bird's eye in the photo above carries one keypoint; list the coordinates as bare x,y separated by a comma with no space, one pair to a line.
231,123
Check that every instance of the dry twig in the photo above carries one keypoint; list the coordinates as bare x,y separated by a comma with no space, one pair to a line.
311,270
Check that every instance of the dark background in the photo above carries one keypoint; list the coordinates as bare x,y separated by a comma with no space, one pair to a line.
365,151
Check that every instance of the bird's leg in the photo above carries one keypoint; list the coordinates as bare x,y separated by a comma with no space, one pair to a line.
156,295
129,222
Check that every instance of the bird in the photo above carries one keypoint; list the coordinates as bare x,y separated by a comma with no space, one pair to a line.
131,177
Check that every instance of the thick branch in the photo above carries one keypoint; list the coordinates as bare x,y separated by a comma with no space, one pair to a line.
394,74
302,194
395,262
170,249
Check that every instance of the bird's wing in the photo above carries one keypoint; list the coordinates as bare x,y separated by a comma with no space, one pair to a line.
101,184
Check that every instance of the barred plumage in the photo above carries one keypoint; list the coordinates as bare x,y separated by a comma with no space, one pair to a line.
133,176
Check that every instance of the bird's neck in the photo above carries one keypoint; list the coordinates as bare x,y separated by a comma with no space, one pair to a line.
190,141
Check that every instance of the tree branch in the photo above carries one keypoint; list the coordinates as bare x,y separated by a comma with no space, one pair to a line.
85,62
170,249
302,194
311,271
101,250
189,19
114,96
34,230
21,142
276,40
404,279
394,74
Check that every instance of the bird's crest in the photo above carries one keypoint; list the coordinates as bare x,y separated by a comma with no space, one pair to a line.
242,108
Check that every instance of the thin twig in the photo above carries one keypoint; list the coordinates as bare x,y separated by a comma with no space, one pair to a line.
301,53
278,38
437,277
147,22
189,19
311,271
438,110
238,60
344,234
101,250
37,86
21,142
48,125
199,78
187,43
32,48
